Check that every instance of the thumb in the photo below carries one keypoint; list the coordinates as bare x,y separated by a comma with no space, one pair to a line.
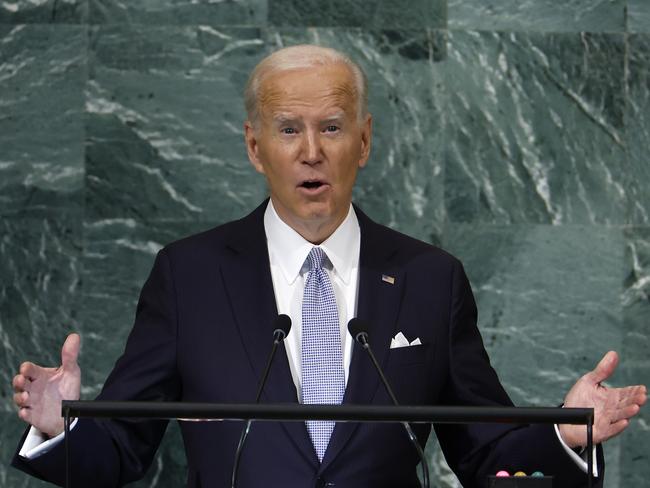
605,367
70,351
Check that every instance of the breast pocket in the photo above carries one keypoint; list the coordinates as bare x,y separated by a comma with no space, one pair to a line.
408,355
407,373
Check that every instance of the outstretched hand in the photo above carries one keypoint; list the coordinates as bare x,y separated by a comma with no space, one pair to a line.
39,391
613,407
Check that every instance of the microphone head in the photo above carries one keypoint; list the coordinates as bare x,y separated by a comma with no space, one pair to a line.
358,330
282,326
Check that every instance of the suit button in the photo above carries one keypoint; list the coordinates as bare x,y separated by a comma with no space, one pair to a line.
320,483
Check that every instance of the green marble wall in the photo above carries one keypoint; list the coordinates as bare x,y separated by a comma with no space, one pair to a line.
514,133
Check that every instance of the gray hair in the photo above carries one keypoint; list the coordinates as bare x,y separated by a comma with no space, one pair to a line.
300,57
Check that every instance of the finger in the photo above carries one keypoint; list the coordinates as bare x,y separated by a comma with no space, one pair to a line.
641,394
605,367
638,396
21,399
30,370
632,395
20,383
615,429
624,413
70,351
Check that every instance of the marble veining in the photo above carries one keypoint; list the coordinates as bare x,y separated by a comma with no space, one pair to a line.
538,15
165,106
369,13
638,129
174,12
638,16
43,11
534,128
41,135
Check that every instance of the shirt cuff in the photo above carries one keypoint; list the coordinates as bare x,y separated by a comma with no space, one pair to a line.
579,459
36,443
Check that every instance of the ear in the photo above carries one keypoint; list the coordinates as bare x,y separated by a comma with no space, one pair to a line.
366,139
252,147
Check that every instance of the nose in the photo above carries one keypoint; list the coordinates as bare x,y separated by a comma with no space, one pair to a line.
311,148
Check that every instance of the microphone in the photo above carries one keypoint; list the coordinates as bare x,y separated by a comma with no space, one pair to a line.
359,331
282,326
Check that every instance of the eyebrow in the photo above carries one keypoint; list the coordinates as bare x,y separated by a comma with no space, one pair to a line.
336,116
283,118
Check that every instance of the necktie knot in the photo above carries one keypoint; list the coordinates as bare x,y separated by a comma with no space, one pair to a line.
315,258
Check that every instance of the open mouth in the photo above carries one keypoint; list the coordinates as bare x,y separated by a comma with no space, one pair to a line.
311,184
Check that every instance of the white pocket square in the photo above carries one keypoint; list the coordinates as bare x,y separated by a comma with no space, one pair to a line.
400,340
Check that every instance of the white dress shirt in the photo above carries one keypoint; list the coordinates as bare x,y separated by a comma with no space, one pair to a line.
288,252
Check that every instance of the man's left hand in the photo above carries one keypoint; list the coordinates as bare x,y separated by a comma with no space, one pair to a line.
613,407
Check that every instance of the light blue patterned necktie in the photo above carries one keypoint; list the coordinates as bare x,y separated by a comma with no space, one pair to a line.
323,378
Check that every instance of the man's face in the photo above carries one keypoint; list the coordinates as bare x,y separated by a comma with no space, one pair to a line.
309,144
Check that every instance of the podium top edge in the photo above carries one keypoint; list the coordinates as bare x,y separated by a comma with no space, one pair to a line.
343,413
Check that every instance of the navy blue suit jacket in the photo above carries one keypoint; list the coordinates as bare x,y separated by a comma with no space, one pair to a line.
202,333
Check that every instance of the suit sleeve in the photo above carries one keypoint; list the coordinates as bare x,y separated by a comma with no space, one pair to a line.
475,451
111,453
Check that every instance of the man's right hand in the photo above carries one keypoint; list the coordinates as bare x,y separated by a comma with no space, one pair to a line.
39,391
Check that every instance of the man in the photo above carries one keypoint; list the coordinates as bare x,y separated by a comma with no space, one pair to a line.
203,327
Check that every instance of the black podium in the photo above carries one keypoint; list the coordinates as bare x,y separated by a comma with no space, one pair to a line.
338,413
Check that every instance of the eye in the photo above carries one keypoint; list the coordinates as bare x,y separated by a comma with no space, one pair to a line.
332,128
288,130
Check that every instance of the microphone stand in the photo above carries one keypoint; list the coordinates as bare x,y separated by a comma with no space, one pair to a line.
278,337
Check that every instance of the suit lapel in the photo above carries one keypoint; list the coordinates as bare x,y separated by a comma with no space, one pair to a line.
378,305
247,279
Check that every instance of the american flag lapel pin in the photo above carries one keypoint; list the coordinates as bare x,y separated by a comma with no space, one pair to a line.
388,279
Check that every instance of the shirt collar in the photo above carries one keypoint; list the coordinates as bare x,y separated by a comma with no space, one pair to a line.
289,249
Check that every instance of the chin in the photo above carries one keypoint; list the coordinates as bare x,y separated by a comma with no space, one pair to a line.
319,211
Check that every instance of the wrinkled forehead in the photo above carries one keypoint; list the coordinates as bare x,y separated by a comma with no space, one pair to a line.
319,88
